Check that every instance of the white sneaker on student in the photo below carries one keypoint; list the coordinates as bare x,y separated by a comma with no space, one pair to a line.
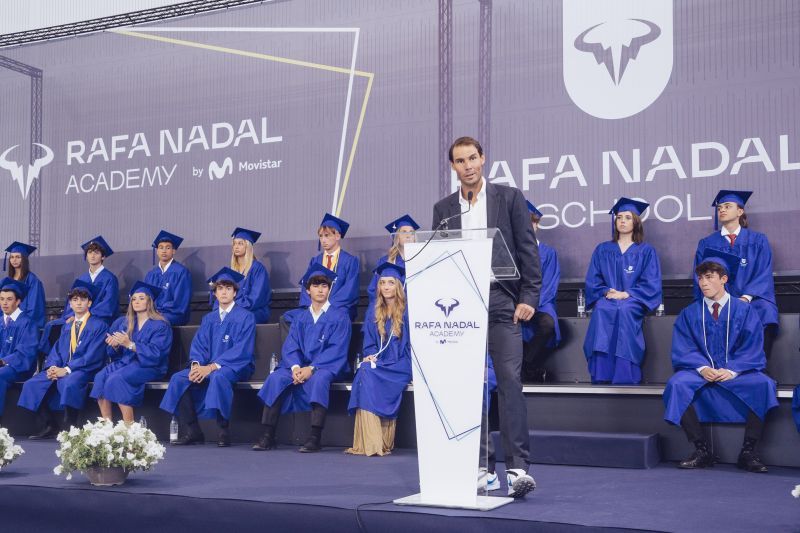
519,482
492,481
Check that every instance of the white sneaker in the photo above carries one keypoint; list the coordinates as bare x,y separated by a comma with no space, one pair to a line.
519,483
482,479
492,481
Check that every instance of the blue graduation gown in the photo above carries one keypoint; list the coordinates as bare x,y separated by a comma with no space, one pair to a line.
373,283
725,401
88,358
18,348
124,378
754,276
614,344
324,346
230,344
106,306
551,277
176,292
255,293
33,304
796,407
344,292
379,390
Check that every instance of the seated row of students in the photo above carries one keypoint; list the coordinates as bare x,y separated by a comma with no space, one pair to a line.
623,284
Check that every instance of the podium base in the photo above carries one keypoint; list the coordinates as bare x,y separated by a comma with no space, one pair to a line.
482,503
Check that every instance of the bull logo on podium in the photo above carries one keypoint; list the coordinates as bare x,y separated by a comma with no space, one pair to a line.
618,54
446,305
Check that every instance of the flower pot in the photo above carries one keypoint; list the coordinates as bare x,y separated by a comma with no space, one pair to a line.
106,476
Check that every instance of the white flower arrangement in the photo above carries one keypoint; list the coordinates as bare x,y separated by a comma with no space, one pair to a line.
103,444
796,491
8,450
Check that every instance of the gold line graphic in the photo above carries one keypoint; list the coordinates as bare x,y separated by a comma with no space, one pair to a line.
339,70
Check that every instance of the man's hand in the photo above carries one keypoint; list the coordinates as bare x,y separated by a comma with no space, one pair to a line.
709,374
614,294
54,373
199,372
370,359
301,375
723,374
523,312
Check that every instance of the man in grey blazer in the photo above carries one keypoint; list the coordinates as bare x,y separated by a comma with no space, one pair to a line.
510,301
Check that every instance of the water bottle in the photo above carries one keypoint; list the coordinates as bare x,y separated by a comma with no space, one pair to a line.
173,430
660,309
143,422
581,304
273,362
357,364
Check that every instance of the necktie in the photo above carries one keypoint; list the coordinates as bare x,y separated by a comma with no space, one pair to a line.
732,237
715,314
222,316
7,319
330,261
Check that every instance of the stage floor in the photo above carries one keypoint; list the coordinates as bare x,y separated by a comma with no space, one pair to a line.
230,487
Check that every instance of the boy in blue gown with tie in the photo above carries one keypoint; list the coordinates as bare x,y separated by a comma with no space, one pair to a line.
172,278
719,361
541,334
623,284
754,283
19,337
71,364
344,291
19,269
221,355
313,356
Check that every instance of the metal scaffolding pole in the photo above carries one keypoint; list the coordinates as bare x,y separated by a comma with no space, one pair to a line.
445,92
485,76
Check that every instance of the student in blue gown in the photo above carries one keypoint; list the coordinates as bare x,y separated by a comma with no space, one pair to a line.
255,293
719,362
71,364
172,278
796,407
385,370
312,357
623,284
138,346
754,283
19,337
33,305
221,355
105,306
344,292
541,334
402,231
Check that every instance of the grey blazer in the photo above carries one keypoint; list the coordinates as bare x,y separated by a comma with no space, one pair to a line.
507,211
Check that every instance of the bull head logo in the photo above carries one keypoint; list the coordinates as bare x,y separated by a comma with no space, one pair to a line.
616,55
25,180
446,305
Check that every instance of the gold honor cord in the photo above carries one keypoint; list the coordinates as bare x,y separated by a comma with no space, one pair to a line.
73,338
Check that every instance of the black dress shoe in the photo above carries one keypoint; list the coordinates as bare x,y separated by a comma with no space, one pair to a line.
50,432
749,460
224,440
311,445
700,458
188,439
266,442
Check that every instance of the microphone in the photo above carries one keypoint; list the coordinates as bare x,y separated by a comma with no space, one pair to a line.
443,224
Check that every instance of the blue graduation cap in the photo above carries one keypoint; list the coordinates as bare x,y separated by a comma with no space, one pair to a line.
316,269
532,209
729,262
391,270
226,274
84,286
246,234
151,290
330,221
165,236
738,197
18,248
17,287
101,242
626,204
404,220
